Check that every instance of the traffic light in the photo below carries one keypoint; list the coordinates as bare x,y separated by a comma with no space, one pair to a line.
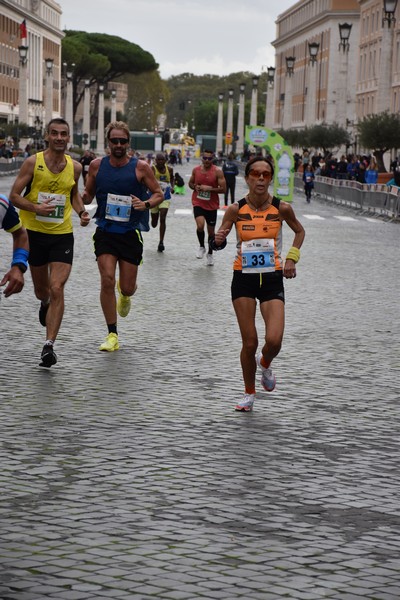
85,139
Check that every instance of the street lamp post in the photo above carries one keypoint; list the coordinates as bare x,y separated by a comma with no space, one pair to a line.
269,107
344,46
219,141
240,125
385,71
313,48
229,124
23,85
254,100
86,114
69,102
113,106
287,108
100,122
49,89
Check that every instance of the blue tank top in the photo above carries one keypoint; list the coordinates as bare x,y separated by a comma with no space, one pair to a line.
120,181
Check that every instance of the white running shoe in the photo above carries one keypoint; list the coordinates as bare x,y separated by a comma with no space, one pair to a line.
268,379
210,260
201,252
246,405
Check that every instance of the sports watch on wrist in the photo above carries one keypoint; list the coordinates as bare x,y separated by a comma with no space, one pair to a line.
147,204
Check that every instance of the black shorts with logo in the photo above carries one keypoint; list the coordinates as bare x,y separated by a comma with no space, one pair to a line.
126,246
209,215
263,286
46,248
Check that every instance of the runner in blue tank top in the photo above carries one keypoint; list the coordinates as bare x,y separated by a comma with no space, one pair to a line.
121,185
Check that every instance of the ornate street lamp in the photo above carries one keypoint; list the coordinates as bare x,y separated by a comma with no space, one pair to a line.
290,65
344,32
271,76
389,7
255,81
313,48
23,54
49,65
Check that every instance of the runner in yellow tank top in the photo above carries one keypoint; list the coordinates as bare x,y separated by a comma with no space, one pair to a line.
45,191
259,271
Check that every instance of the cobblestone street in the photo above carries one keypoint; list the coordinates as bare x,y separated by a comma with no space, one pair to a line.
129,475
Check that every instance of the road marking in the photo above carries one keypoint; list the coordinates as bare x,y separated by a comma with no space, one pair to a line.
346,219
314,217
183,211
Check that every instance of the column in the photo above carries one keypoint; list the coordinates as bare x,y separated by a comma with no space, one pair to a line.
100,122
113,106
48,110
384,92
287,108
310,117
23,85
69,102
240,125
219,142
270,99
254,100
86,114
229,124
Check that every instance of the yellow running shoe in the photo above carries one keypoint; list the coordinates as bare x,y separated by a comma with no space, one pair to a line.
111,343
123,303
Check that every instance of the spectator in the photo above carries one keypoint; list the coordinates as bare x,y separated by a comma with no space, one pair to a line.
371,173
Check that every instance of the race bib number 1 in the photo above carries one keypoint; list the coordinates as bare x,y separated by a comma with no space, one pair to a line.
118,208
56,200
258,256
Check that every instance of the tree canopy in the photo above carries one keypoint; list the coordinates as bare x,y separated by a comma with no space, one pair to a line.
327,137
379,132
101,57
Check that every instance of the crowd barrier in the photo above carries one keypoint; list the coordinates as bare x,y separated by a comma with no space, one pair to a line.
8,166
376,199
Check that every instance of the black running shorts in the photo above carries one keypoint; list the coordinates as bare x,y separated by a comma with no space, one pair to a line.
263,286
47,248
209,215
126,246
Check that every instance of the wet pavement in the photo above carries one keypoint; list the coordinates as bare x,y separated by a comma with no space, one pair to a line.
130,476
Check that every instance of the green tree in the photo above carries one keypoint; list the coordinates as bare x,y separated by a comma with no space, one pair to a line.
147,96
380,133
101,58
327,137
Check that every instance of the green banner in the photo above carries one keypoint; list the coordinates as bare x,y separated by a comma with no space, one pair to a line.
282,155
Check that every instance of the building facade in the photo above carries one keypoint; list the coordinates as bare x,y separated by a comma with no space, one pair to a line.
28,83
315,77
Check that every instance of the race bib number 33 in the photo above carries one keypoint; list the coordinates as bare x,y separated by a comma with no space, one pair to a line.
258,256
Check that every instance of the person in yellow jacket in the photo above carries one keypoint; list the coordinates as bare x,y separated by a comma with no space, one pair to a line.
45,190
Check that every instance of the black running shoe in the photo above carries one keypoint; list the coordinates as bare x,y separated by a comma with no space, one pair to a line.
161,247
48,356
42,313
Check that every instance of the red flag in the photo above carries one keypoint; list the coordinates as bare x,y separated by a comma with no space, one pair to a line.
22,30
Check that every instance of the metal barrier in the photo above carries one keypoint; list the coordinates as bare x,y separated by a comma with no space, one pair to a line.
376,199
8,166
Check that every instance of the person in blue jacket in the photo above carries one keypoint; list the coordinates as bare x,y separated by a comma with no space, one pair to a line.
371,172
308,179
230,171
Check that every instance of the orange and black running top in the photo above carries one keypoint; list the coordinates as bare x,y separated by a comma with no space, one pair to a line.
259,239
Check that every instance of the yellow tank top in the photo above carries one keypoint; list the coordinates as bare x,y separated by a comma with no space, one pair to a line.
59,187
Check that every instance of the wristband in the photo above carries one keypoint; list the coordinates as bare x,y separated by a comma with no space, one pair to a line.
80,213
293,254
214,246
20,259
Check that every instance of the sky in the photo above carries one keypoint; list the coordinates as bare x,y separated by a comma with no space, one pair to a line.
187,36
